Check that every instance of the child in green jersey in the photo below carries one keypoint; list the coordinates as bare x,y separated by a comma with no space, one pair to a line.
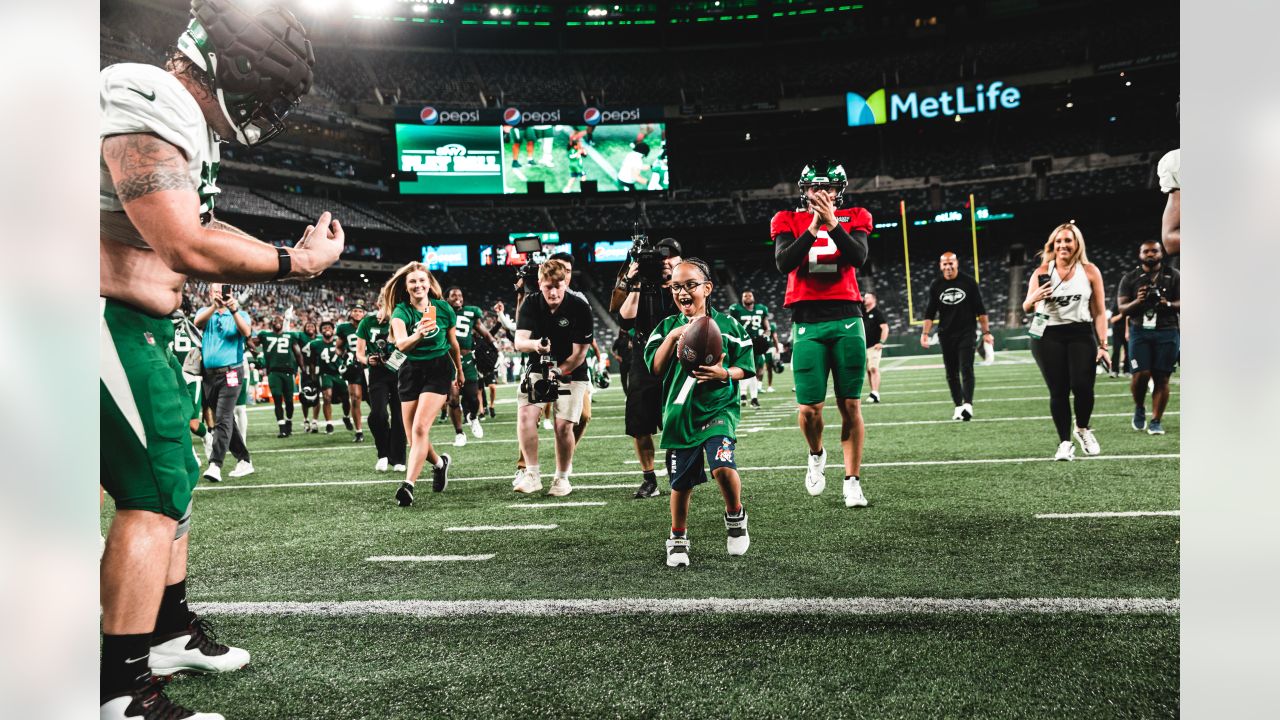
701,414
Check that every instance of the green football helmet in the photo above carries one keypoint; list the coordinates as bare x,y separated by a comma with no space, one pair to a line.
823,172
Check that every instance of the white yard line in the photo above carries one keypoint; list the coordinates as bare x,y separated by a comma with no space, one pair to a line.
499,528
1125,514
430,558
684,607
612,473
557,504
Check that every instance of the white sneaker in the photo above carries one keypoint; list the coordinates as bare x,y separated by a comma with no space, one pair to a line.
194,651
1066,451
815,479
546,424
956,415
213,473
738,540
476,431
853,496
208,445
529,483
515,482
560,487
381,465
399,468
459,440
769,389
678,552
244,467
1088,443
966,412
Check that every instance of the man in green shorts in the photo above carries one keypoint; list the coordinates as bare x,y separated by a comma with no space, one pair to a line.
468,399
754,317
323,360
354,374
282,355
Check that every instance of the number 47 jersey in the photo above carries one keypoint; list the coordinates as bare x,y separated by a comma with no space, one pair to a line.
824,275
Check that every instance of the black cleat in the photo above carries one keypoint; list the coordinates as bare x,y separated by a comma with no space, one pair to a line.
283,433
404,496
440,475
346,420
359,436
648,489
492,414
755,403
328,428
149,702
288,428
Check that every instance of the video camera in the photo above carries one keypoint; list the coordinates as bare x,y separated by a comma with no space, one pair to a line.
546,388
530,245
648,257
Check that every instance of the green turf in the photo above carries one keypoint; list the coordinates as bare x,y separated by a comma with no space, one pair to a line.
932,531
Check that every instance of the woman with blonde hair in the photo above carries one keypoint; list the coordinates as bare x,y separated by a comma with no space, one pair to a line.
1068,334
430,364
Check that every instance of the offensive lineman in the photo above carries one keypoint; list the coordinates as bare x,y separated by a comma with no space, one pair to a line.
820,250
160,130
282,355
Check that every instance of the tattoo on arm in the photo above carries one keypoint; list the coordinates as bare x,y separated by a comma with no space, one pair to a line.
225,227
142,164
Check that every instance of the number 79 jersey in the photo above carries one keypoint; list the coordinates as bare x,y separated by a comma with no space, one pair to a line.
823,275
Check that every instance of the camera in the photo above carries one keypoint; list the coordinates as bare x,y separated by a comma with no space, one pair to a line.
1154,293
546,388
530,245
648,257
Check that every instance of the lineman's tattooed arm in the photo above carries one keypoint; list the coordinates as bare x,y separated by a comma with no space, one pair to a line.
227,227
142,164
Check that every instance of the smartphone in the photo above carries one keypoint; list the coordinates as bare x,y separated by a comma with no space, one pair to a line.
1043,278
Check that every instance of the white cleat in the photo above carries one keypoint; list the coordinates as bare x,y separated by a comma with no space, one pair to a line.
195,651
769,389
966,412
738,540
956,415
1066,451
678,552
560,487
546,424
244,467
149,701
213,474
529,483
1088,443
382,465
515,482
477,432
401,467
853,496
815,479
459,440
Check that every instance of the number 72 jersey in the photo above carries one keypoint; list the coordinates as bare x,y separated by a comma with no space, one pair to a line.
823,275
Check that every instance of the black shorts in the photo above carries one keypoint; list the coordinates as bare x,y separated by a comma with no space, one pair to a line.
685,467
355,376
489,378
425,376
1154,350
644,403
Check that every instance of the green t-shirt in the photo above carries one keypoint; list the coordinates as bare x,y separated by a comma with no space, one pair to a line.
752,318
468,316
347,331
438,343
696,412
371,331
277,350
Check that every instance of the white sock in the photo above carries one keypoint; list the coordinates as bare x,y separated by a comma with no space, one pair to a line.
439,463
564,474
754,385
532,470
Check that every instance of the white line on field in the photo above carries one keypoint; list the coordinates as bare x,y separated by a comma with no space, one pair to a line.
661,473
430,558
603,487
687,606
557,504
499,528
1125,514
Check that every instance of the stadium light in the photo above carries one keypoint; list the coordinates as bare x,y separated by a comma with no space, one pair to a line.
494,12
321,6
421,9
506,12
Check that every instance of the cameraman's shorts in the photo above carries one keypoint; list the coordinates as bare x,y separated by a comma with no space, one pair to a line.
1154,350
684,465
567,407
644,402
425,376
837,347
281,383
873,357
147,462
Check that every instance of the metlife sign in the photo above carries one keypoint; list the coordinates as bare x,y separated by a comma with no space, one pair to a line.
879,108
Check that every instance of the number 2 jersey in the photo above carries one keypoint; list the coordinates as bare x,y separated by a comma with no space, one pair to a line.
824,276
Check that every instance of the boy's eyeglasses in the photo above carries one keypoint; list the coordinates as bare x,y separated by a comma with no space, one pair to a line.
688,287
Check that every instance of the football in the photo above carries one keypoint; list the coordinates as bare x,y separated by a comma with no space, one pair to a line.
700,345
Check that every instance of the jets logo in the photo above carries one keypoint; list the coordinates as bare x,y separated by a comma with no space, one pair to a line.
952,296
564,322
1065,300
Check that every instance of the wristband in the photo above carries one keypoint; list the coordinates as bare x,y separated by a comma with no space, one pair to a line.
286,263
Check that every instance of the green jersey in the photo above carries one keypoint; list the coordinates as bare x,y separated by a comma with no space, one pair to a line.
304,342
437,343
347,331
371,331
696,412
322,355
182,343
468,317
277,350
752,318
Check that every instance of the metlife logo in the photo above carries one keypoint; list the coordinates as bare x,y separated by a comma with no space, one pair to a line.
871,110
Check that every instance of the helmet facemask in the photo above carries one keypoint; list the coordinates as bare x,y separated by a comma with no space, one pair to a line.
822,175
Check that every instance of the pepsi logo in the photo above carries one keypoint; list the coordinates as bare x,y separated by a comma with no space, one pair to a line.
511,116
429,116
591,116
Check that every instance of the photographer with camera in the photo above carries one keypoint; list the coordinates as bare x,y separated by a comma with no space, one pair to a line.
373,349
641,303
554,328
1150,296
224,326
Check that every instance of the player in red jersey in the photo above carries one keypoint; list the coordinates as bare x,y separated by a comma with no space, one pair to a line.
819,247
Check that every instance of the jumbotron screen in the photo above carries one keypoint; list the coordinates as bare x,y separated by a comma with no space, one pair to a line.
496,160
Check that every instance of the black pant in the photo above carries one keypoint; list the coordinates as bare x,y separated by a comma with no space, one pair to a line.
1119,345
384,398
957,357
222,398
1066,356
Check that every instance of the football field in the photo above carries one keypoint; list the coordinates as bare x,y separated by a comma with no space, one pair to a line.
984,579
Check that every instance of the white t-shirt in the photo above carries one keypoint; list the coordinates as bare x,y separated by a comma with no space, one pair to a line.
632,164
1168,169
139,98
1069,302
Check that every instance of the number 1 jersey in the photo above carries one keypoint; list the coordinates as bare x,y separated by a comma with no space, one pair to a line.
822,276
